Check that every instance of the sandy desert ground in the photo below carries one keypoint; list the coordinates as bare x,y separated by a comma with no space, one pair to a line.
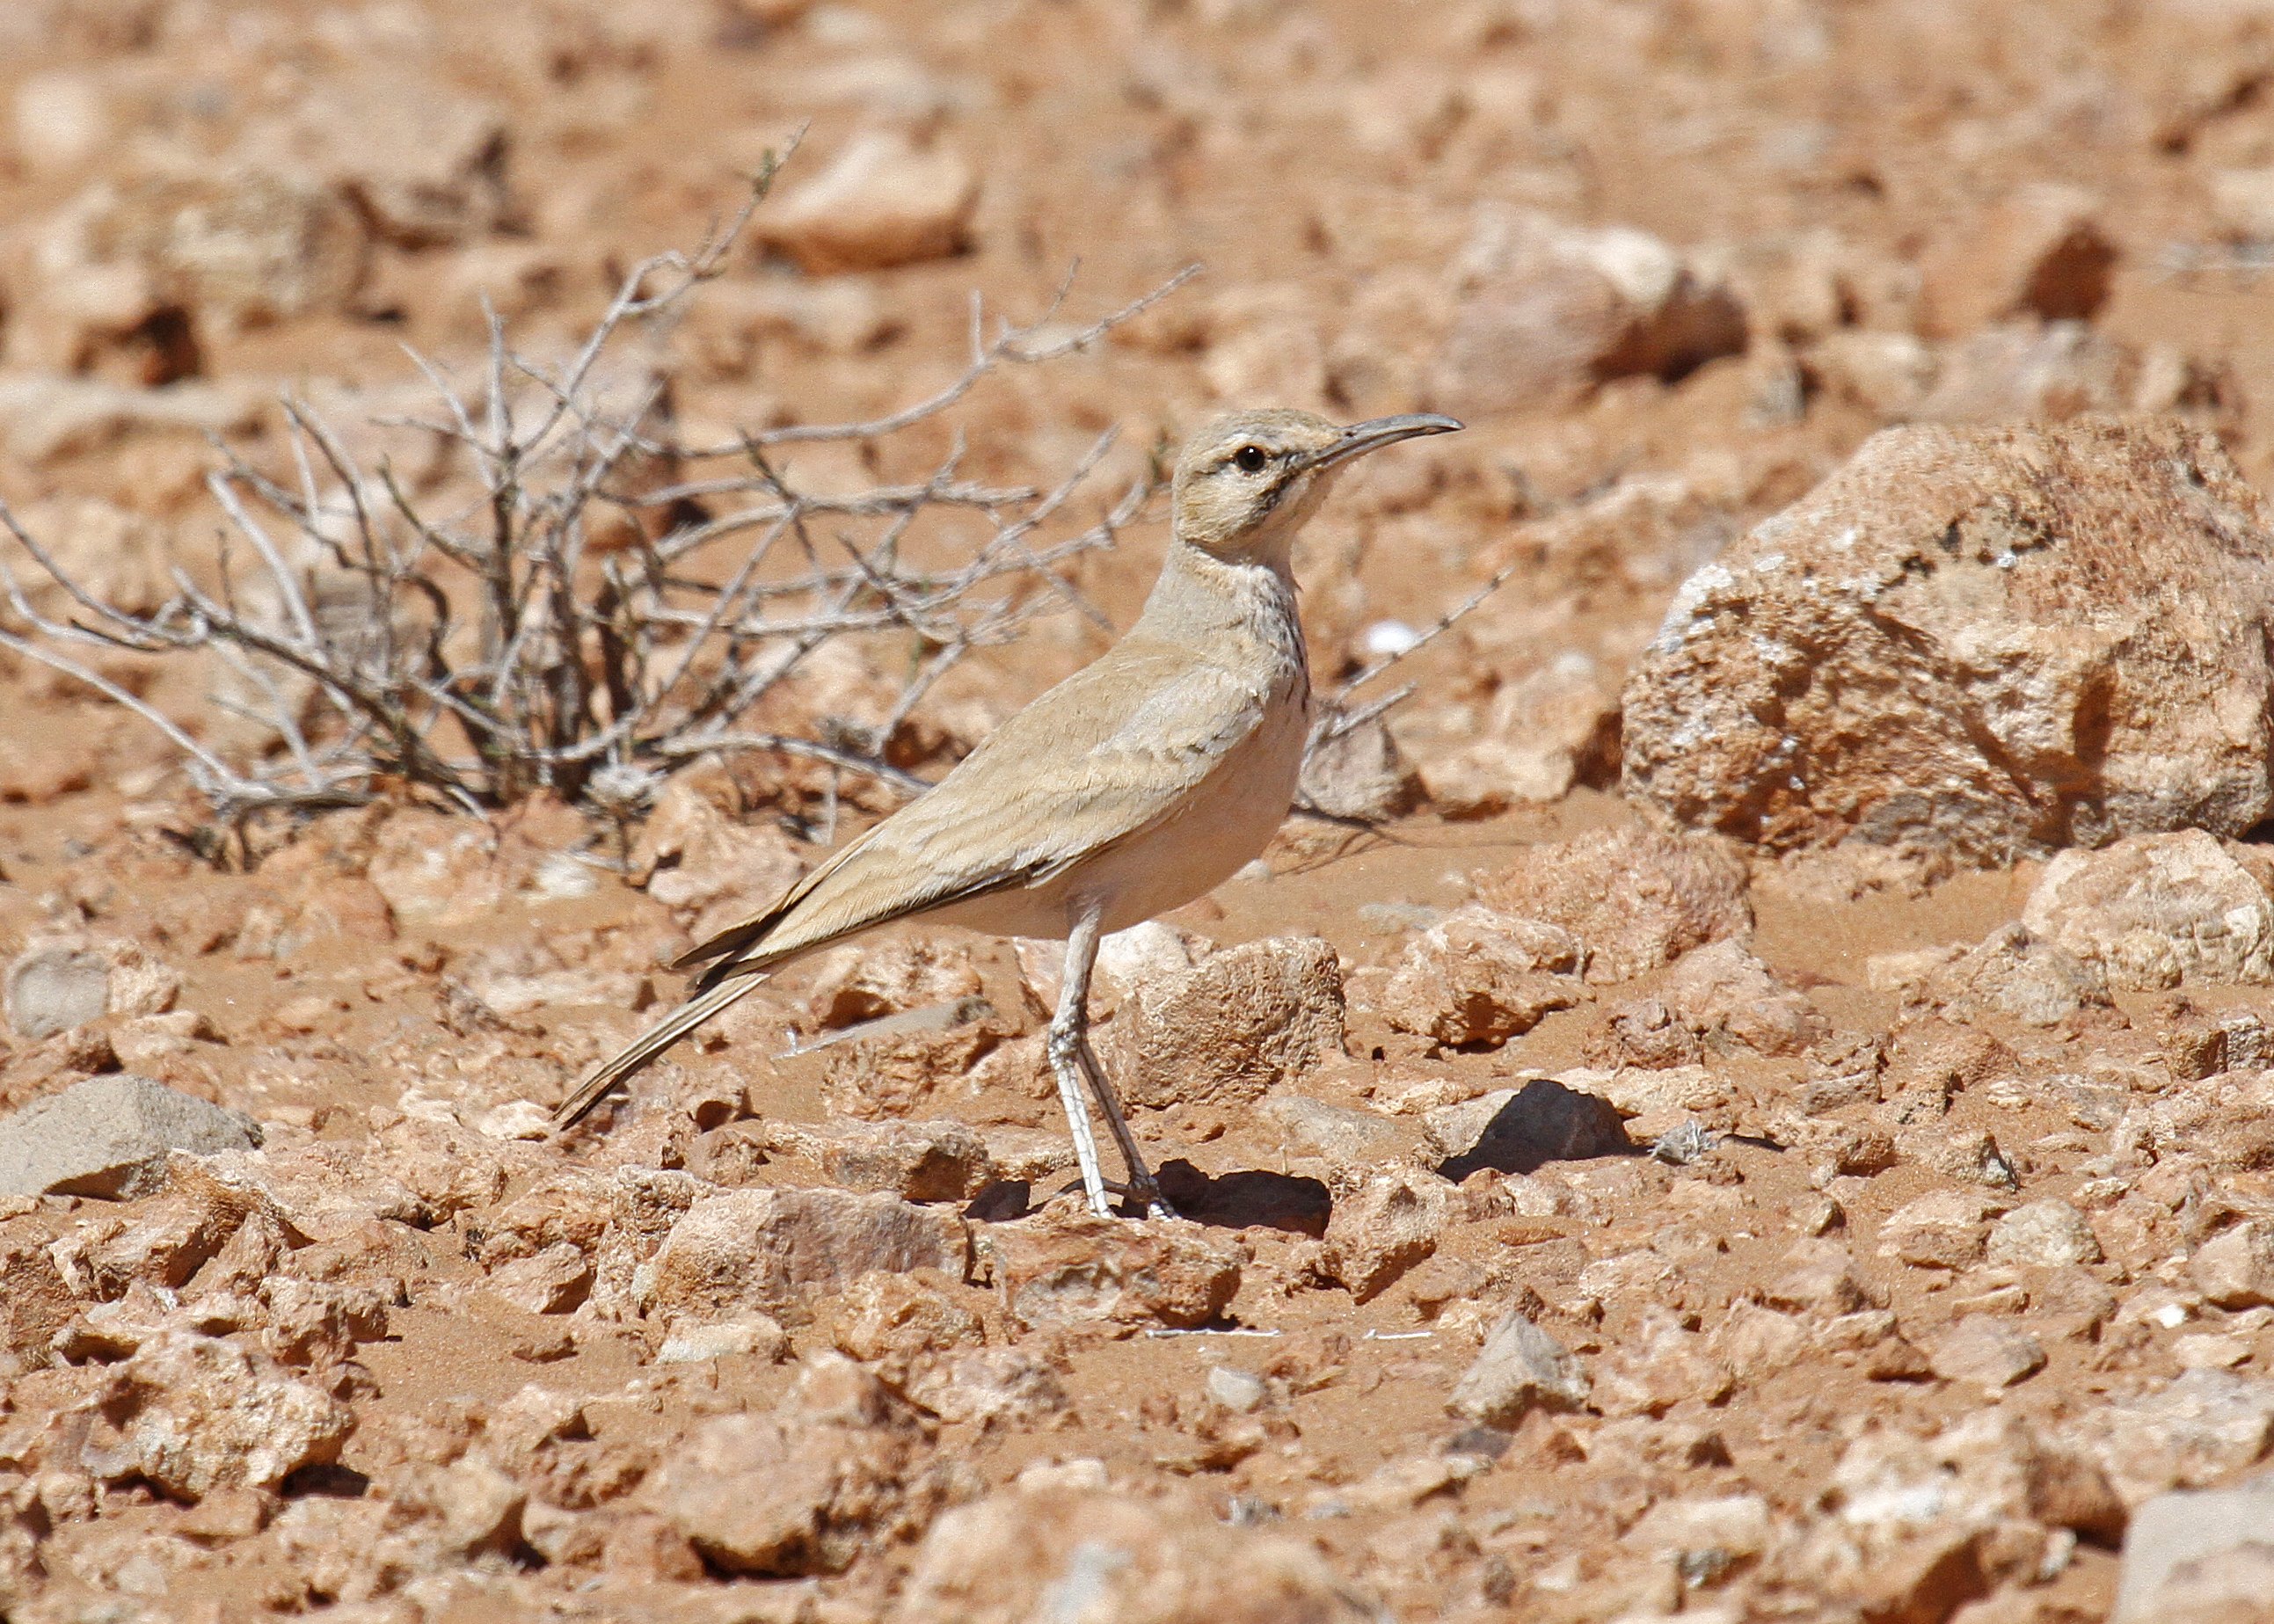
1757,1106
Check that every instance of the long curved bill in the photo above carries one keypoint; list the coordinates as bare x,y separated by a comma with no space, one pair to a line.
1375,432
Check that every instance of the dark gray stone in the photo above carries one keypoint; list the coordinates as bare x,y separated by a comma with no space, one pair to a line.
55,989
1520,1366
2194,1531
110,1136
1539,1123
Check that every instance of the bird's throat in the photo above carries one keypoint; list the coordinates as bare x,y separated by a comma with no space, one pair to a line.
1234,614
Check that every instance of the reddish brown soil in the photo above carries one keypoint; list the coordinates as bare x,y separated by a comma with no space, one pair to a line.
1300,154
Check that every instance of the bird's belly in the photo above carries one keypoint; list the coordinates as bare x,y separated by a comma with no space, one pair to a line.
1227,823
1226,827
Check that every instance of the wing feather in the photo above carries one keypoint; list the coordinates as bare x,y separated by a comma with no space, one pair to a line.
1116,748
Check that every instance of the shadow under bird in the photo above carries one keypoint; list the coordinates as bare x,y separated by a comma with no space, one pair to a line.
1140,783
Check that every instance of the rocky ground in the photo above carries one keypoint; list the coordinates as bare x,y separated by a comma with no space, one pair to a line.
1772,1121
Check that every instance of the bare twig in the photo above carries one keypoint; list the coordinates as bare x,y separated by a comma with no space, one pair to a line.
1338,717
590,607
1011,346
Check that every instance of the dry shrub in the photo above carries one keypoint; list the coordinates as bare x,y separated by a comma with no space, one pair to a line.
591,600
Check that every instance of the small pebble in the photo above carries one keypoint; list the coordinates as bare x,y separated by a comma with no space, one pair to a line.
1687,1143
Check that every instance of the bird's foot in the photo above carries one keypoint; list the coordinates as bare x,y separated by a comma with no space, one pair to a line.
1146,1195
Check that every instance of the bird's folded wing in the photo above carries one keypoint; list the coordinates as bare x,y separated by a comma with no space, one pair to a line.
1117,747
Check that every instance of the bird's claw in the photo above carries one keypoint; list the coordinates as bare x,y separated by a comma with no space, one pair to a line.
1155,1205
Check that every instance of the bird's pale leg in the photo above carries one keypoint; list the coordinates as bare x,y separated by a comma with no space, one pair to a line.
1073,993
1067,1041
1142,1183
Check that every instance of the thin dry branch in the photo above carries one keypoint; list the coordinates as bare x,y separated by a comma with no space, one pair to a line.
1339,717
1012,346
496,644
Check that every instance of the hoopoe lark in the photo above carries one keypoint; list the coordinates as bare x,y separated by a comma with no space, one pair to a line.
1142,782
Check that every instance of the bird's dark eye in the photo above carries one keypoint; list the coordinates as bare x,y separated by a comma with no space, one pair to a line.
1250,459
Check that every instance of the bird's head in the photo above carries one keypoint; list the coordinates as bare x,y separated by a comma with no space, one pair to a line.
1245,482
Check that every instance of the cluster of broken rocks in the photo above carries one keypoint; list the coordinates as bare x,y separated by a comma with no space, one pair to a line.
1786,1131
1918,1291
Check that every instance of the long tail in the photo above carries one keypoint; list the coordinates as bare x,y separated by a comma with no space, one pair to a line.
648,1045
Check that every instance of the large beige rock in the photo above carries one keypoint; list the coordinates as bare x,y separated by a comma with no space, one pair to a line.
1479,976
79,307
883,202
1229,1028
164,1242
2197,1430
804,1489
1545,735
2043,1234
1724,994
692,854
1008,1386
1082,1270
2153,911
1359,774
1974,644
470,1508
552,1281
1983,1350
894,1321
782,1252
872,979
1385,1228
939,1160
1566,715
239,246
1352,1142
924,1062
1520,1368
1550,310
192,1414
1026,1554
2015,974
433,868
1635,898
1650,1369
2235,1267
322,1190
449,1168
1943,1229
